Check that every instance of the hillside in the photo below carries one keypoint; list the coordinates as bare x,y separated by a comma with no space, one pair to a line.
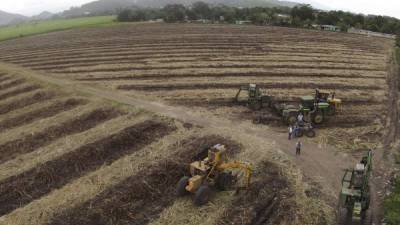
110,6
8,18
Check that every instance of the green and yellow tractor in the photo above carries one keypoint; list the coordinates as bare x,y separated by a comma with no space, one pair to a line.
315,109
255,98
354,198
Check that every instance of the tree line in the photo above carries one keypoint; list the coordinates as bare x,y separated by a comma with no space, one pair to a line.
298,16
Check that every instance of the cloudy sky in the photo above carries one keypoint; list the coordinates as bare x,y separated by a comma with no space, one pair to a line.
382,7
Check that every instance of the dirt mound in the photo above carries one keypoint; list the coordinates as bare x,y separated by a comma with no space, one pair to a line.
141,198
263,203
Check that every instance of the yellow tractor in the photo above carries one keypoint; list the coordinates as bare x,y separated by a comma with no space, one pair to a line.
213,171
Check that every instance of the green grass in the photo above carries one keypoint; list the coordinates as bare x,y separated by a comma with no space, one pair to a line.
392,206
32,28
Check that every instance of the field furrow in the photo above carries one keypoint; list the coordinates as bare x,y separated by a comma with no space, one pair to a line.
200,86
33,141
45,112
142,197
33,184
41,96
19,91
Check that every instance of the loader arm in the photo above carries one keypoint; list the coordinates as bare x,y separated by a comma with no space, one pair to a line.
243,88
246,168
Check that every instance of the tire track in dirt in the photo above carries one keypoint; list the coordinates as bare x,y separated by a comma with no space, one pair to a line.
142,197
20,190
33,141
41,113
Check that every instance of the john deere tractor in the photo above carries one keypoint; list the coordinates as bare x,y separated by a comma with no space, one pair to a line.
314,109
255,98
354,198
213,171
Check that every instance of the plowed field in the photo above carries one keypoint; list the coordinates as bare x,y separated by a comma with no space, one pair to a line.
72,157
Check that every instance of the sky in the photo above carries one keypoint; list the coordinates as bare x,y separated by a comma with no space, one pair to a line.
33,7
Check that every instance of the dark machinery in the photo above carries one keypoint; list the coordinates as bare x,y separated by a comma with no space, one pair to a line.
354,199
214,171
255,98
314,108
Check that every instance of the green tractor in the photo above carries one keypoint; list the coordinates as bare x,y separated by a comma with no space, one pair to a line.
255,98
354,198
314,109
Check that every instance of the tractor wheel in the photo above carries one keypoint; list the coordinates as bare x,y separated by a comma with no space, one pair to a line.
310,133
332,110
224,181
202,195
292,118
366,218
257,120
318,118
256,105
181,186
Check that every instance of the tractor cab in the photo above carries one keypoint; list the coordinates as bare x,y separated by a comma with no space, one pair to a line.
335,104
254,91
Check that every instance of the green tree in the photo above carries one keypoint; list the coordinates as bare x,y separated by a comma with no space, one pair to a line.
174,13
202,10
125,15
303,12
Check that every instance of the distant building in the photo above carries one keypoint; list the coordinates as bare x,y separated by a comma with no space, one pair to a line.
243,22
369,33
329,28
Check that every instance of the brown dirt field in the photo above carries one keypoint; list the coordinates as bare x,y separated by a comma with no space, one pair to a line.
41,113
199,66
3,79
141,198
12,84
37,97
33,141
19,91
39,181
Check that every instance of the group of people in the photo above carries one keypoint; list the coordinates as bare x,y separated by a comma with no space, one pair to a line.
293,132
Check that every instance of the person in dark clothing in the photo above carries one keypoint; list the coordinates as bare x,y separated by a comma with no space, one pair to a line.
298,148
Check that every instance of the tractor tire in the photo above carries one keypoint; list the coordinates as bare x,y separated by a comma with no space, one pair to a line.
332,111
318,118
310,133
291,118
224,181
257,120
181,186
256,105
202,195
366,218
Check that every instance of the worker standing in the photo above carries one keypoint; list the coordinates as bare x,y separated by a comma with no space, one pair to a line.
298,148
290,132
